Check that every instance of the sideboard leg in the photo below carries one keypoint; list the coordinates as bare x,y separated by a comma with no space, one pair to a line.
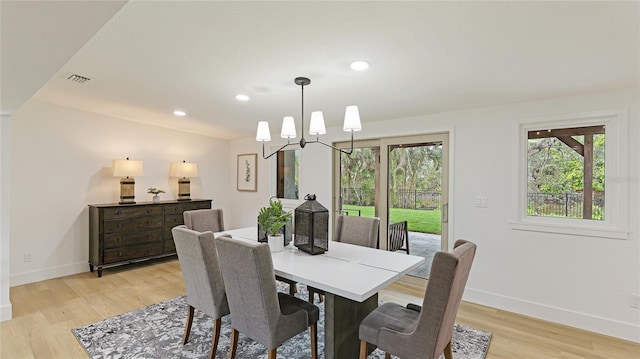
99,272
90,267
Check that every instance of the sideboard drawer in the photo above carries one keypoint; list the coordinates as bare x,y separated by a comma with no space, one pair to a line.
132,252
131,238
172,220
133,224
127,212
178,208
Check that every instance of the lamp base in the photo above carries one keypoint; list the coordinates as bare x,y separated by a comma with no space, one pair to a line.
127,191
184,189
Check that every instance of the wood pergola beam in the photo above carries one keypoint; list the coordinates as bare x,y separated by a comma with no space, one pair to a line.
564,132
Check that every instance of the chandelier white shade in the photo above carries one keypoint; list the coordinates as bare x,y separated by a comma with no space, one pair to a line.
352,119
288,128
263,134
316,126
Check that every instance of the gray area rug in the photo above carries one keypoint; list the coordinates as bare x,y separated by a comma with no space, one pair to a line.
156,332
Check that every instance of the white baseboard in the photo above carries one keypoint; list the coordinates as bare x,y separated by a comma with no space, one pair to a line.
614,328
5,312
47,273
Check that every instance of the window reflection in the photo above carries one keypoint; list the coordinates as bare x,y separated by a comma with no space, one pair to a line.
287,174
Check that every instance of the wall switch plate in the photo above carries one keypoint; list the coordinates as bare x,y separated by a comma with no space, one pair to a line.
27,257
481,201
634,301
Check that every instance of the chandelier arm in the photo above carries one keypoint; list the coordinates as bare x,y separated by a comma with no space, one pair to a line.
274,152
349,152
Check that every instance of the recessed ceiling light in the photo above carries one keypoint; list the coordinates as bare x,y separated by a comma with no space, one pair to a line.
179,113
359,65
242,97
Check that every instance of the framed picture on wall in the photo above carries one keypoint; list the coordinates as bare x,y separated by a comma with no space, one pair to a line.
248,172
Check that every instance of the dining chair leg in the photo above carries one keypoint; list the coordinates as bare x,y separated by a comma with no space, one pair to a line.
216,337
311,296
387,355
314,340
363,349
448,353
272,353
187,326
233,346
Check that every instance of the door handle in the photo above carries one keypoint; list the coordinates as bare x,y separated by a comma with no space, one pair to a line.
445,213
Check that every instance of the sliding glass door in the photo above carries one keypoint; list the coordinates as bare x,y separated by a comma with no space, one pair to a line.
398,179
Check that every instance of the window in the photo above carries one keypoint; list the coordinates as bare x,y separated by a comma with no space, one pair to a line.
287,172
566,172
571,175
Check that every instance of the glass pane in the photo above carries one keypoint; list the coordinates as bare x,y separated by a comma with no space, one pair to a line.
287,174
415,176
358,179
566,173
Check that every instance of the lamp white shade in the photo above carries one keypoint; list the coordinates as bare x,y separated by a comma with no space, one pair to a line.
127,168
316,125
288,128
352,119
184,169
263,133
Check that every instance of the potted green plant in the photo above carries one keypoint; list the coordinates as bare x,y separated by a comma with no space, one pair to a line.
271,219
154,191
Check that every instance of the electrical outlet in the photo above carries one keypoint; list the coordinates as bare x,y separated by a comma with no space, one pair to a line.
27,257
634,301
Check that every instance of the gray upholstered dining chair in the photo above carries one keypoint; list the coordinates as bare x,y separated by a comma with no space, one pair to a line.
202,278
203,220
361,231
258,310
423,332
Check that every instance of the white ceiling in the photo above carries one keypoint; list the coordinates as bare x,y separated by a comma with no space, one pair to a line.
427,57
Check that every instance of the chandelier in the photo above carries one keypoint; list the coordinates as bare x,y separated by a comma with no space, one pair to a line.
316,126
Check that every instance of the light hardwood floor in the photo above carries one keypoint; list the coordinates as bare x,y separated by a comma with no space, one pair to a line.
45,312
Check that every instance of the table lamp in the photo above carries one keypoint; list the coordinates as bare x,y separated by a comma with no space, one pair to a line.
184,171
127,169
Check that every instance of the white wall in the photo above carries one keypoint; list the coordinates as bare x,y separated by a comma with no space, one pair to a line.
61,162
5,303
580,281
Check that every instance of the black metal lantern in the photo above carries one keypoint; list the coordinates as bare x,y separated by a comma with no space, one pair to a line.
311,226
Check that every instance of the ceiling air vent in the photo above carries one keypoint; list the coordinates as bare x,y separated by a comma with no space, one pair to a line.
78,79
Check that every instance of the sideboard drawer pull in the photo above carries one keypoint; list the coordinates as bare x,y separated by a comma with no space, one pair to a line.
119,239
119,225
119,254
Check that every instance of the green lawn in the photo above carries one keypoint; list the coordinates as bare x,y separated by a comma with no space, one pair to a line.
425,221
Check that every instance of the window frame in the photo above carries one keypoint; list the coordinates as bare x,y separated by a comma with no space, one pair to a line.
288,204
616,180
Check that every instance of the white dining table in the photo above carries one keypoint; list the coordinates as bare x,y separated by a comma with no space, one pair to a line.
351,277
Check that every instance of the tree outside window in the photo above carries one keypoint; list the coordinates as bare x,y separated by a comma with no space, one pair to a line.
566,172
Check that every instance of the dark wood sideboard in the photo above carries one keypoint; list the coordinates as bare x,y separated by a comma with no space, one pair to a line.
123,234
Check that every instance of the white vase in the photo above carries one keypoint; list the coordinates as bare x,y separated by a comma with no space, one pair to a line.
276,243
156,199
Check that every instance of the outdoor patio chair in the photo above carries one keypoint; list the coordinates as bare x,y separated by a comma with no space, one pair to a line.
398,237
